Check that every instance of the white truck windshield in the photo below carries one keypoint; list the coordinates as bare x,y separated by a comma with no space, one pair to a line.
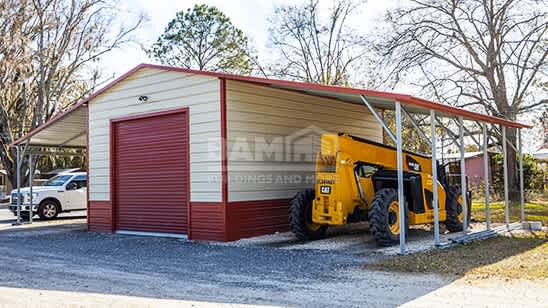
58,180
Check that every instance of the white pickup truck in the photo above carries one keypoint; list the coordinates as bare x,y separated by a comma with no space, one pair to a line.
64,192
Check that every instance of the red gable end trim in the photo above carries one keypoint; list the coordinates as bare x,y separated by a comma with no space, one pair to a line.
403,98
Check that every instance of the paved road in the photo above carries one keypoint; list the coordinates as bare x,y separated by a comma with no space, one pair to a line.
44,265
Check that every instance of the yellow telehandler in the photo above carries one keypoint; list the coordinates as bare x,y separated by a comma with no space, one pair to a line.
356,180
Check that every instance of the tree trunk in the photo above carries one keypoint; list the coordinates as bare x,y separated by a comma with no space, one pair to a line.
513,166
9,165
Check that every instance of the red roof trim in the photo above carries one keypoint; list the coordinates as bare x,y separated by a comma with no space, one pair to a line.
403,98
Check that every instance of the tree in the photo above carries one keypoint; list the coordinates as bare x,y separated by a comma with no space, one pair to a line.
312,49
480,54
533,175
48,53
203,38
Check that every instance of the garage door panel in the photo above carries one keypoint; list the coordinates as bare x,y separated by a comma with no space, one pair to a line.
154,163
151,173
136,146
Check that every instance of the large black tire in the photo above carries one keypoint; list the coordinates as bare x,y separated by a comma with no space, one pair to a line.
384,219
48,209
300,217
453,210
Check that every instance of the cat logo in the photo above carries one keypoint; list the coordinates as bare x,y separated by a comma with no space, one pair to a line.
412,164
326,190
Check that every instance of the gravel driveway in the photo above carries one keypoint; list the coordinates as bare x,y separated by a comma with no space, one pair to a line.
37,265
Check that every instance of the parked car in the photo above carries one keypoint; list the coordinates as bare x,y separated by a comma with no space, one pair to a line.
64,192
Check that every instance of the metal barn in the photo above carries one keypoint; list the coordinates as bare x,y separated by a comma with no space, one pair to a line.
214,156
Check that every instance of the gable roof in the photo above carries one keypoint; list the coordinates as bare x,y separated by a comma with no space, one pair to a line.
380,99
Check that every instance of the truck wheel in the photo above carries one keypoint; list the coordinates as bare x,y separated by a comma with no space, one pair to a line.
453,209
48,209
300,217
384,217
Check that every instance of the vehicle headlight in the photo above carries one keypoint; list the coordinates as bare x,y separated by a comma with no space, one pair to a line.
26,197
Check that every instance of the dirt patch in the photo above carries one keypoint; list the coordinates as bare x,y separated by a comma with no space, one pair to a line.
517,255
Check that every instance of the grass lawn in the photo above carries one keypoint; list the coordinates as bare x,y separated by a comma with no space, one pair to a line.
521,255
536,211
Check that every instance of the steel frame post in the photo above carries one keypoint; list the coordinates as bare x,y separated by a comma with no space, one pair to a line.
521,188
486,177
18,181
434,178
505,176
399,156
463,187
30,185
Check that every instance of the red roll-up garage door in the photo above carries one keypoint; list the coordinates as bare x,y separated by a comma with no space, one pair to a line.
150,172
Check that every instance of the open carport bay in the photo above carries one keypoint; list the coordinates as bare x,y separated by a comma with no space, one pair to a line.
40,264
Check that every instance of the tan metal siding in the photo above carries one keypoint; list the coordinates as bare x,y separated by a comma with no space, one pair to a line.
166,90
258,116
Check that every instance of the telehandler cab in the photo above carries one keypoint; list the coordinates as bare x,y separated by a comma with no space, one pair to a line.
356,180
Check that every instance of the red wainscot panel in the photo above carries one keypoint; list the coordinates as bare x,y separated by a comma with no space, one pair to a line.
253,218
207,221
100,216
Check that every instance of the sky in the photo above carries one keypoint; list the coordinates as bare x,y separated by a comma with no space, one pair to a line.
251,16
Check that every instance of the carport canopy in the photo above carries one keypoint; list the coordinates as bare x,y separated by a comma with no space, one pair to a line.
67,129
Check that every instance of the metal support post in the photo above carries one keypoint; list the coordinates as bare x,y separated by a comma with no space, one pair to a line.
18,181
486,177
435,179
399,158
463,177
30,185
505,176
521,192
